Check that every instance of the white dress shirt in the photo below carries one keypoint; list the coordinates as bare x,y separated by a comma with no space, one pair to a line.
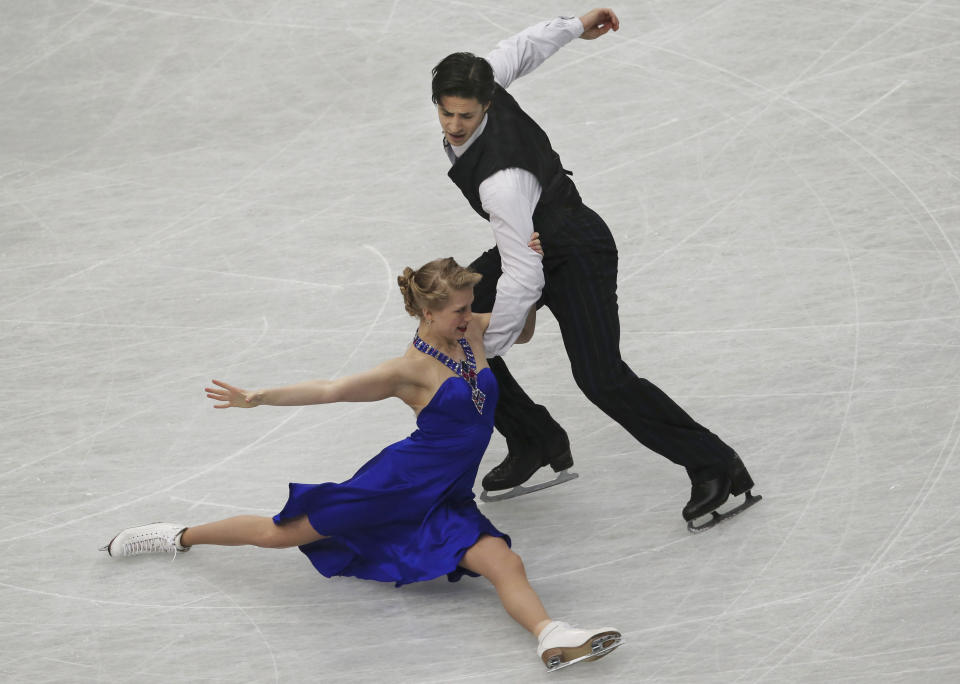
510,196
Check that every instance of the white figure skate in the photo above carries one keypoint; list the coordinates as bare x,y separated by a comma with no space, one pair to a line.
561,645
152,538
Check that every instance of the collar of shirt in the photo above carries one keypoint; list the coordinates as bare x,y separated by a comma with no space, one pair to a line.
454,152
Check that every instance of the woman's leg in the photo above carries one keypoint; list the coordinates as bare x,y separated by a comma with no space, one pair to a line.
558,643
492,558
254,530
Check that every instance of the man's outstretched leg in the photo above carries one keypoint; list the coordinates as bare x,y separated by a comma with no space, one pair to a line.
581,291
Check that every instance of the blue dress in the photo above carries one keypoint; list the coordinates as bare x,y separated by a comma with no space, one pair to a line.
408,514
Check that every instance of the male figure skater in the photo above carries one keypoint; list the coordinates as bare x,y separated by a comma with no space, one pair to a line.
504,164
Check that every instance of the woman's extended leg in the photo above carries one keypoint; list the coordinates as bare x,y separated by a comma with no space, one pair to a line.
558,643
255,530
492,558
243,529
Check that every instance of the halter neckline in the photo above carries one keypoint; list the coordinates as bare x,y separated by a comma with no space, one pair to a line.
466,369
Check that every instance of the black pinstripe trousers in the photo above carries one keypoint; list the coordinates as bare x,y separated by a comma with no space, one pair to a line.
580,269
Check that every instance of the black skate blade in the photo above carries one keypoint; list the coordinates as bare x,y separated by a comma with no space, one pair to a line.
521,490
749,500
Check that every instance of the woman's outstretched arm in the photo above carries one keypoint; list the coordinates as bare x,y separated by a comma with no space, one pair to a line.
386,380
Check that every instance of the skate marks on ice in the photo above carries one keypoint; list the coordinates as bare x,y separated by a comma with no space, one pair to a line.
782,182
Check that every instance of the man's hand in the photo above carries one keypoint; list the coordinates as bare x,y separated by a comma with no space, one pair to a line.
598,21
534,244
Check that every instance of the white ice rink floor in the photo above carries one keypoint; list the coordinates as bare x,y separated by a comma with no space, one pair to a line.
193,189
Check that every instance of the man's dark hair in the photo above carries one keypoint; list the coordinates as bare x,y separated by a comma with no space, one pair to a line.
463,74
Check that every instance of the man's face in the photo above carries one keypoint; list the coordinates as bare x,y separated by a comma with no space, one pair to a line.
459,117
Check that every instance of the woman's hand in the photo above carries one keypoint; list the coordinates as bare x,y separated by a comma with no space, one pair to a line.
232,396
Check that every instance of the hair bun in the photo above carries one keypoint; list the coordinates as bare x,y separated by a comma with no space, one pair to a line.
431,285
407,283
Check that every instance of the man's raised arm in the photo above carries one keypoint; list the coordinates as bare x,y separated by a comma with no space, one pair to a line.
520,54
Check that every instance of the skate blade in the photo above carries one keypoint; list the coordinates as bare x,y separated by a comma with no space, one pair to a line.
521,490
106,547
749,500
593,649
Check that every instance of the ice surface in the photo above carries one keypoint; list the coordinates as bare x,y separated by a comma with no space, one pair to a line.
197,189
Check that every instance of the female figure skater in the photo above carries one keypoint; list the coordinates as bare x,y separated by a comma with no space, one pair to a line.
409,514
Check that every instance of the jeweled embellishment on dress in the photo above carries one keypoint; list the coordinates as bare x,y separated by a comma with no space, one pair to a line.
465,369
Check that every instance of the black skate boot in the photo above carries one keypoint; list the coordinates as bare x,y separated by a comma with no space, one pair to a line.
517,469
740,480
519,466
707,496
534,440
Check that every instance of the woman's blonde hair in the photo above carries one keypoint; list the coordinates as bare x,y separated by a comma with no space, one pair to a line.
430,286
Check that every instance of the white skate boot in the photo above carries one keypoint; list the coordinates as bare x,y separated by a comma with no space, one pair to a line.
152,538
562,645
